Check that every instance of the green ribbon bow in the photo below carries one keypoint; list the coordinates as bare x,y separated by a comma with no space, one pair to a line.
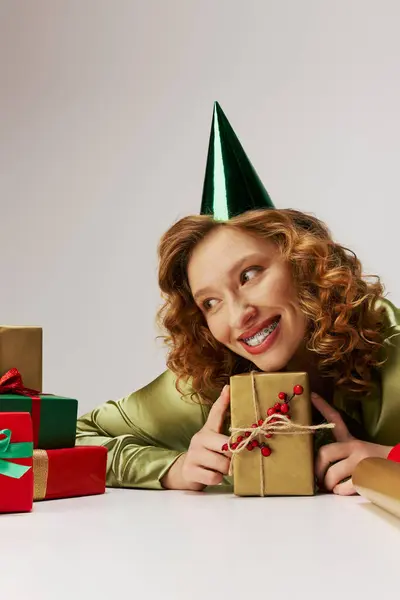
16,450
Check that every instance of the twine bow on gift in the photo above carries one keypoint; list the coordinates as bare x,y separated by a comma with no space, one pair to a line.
9,451
272,424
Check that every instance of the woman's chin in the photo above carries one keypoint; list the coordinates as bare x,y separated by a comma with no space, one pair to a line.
269,362
270,366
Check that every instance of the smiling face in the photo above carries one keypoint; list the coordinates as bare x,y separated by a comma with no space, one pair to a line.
245,290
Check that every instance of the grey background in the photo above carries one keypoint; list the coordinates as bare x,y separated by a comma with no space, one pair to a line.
105,111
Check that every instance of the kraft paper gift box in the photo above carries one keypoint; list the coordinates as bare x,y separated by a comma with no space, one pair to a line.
273,451
21,348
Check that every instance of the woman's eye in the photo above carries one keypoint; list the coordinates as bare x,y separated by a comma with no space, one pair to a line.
208,304
249,274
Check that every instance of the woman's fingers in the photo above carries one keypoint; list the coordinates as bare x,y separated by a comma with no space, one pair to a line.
206,462
328,454
217,413
206,476
337,473
210,441
213,461
340,430
345,489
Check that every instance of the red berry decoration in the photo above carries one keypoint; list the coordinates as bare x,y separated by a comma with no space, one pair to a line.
266,451
285,408
282,396
277,407
268,435
254,425
297,390
260,422
255,443
240,439
234,446
247,434
271,411
249,447
225,448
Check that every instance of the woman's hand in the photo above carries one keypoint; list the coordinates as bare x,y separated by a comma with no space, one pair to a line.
338,460
204,463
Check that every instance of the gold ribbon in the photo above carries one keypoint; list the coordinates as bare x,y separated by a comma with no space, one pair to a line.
40,474
273,424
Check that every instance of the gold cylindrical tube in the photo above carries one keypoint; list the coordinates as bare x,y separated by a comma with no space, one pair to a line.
378,480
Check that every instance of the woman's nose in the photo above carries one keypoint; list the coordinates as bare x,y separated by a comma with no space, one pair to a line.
241,315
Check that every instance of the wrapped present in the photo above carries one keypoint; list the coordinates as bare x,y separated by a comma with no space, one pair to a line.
16,473
378,480
53,417
21,348
68,472
272,435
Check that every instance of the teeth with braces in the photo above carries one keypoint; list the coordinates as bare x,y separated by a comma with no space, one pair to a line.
260,336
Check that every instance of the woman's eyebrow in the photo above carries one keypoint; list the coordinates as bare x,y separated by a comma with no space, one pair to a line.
238,264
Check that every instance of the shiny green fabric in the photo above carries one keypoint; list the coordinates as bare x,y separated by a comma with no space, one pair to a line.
148,430
144,432
379,413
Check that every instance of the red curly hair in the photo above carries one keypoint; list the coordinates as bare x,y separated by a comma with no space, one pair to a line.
344,328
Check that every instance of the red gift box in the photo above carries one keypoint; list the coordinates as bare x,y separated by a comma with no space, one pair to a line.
16,473
69,472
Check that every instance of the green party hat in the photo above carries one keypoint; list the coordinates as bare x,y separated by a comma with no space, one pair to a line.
231,184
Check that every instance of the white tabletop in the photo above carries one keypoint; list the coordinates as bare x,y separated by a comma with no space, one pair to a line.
176,545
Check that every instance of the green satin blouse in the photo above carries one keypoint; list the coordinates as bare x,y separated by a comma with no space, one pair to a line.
146,431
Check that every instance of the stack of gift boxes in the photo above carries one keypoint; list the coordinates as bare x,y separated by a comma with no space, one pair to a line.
38,456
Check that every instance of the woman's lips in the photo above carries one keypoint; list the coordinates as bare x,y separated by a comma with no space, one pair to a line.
257,328
265,345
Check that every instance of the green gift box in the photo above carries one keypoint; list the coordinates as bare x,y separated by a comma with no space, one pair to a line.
53,417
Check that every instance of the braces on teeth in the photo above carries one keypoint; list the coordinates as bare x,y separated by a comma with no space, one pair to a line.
261,335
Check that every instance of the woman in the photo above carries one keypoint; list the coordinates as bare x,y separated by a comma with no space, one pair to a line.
267,290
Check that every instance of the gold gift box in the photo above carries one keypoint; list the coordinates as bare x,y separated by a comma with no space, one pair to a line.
378,480
21,347
289,470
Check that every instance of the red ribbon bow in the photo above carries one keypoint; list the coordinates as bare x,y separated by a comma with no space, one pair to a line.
11,383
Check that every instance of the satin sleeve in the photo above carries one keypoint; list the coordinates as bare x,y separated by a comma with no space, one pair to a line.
144,432
379,412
